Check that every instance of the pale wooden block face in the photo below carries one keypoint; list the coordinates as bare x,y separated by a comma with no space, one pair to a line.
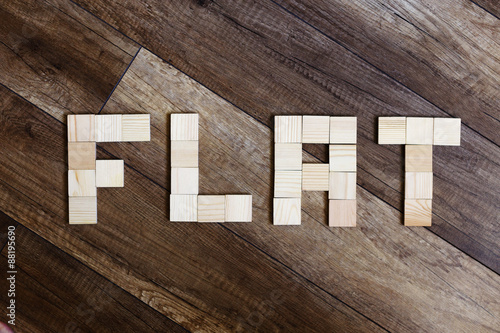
287,184
419,131
447,131
109,173
81,155
288,129
418,185
81,127
286,211
184,154
343,158
315,129
342,185
238,208
184,180
288,156
136,127
392,130
315,177
108,128
418,213
82,210
343,130
211,208
183,208
418,158
184,127
342,213
81,183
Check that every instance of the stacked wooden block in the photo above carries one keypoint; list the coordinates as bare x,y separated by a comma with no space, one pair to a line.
85,173
291,176
186,204
419,135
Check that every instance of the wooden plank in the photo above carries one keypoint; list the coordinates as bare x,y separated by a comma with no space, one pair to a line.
81,155
183,208
109,173
108,128
136,127
81,127
418,158
288,156
211,208
342,213
287,184
288,129
238,208
492,6
82,209
315,129
418,212
343,158
184,154
419,130
447,131
81,183
184,126
287,211
343,130
392,130
184,180
418,185
315,177
342,185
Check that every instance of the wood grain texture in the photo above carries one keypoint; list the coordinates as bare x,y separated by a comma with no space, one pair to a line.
287,184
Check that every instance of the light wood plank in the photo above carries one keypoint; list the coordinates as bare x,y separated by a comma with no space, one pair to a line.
81,155
81,183
288,156
418,185
418,158
343,130
342,213
343,158
419,131
136,127
81,127
184,126
83,210
288,129
315,177
342,185
238,208
392,130
184,154
447,131
108,128
418,212
315,129
184,181
287,184
183,208
109,173
286,211
211,208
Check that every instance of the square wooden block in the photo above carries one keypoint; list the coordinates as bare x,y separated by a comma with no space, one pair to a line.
342,185
343,130
184,126
81,183
288,129
287,184
136,127
392,130
211,208
288,156
83,210
81,155
342,213
184,154
315,129
286,211
109,173
418,185
238,208
419,131
108,128
418,213
315,177
343,158
184,180
183,208
81,127
447,131
418,158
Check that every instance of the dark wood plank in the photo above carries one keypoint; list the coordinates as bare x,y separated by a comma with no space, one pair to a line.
492,6
5,222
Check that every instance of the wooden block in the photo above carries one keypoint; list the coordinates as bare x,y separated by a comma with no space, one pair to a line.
81,183
288,156
184,180
342,185
183,208
286,211
108,128
418,158
184,154
211,208
418,213
342,213
447,131
418,185
287,184
81,127
343,158
184,126
83,210
392,130
288,129
419,131
343,130
238,208
315,129
81,155
109,173
315,177
136,127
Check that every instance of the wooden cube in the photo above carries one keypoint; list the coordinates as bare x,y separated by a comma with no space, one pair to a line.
183,208
83,210
343,130
81,155
315,129
419,131
447,131
418,213
288,129
418,185
418,158
109,173
81,127
211,208
288,156
315,177
108,128
238,208
287,184
81,183
343,158
392,130
184,154
136,127
342,185
342,213
286,211
184,126
184,180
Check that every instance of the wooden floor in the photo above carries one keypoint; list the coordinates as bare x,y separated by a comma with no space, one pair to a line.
237,64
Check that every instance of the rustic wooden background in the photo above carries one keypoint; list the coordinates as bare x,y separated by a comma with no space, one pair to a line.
237,64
